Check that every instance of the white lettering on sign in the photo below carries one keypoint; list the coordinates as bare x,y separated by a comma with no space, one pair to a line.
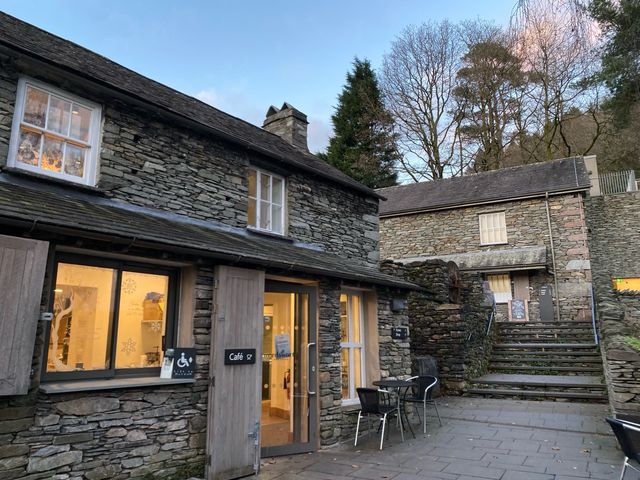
237,356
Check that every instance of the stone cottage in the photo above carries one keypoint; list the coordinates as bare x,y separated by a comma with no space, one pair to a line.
137,222
523,228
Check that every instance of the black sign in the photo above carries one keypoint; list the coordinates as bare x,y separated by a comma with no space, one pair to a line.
184,362
546,304
239,356
518,309
399,333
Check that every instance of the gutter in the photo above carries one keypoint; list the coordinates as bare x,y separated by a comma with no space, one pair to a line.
553,256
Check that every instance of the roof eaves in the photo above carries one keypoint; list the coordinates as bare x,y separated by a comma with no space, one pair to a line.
454,205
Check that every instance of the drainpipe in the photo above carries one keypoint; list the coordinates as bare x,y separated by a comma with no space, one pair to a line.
553,256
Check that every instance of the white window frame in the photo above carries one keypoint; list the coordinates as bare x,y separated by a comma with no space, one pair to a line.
501,297
351,346
93,144
260,175
494,222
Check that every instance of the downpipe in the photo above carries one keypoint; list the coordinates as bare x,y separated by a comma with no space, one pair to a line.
553,256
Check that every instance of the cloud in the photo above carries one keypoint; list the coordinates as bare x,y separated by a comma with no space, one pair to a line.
318,134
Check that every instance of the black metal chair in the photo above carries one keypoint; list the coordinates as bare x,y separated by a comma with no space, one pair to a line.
628,435
423,394
372,404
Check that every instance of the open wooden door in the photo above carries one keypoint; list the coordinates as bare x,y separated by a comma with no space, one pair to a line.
233,430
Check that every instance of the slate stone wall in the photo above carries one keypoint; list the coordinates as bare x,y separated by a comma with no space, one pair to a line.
124,433
613,239
455,334
151,161
457,231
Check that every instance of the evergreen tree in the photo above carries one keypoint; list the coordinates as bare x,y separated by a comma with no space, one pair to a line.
363,145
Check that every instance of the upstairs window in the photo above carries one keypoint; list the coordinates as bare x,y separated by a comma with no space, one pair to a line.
55,133
266,202
493,228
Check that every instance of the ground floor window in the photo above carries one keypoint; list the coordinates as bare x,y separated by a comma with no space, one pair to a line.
500,285
351,344
109,317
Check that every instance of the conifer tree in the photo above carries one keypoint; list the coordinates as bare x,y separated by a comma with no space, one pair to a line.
363,145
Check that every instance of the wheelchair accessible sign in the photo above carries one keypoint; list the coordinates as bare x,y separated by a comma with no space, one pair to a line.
184,362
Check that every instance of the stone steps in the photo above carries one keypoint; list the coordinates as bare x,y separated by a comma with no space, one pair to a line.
557,361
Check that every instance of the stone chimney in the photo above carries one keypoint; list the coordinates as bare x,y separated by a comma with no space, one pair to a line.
289,124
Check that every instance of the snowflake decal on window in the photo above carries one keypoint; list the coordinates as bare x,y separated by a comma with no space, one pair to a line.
129,285
155,326
128,346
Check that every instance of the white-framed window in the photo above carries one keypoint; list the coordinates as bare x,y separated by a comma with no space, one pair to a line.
351,345
493,228
55,133
500,285
266,201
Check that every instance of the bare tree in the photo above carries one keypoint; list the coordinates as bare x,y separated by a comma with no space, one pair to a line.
556,42
418,79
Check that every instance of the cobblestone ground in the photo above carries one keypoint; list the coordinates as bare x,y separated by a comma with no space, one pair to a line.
479,439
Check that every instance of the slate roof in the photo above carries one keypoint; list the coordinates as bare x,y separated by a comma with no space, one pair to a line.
47,207
30,40
524,258
567,174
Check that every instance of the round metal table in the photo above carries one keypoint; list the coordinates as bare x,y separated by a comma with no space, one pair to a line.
398,386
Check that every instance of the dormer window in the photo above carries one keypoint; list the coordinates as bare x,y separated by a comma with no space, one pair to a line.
266,210
55,133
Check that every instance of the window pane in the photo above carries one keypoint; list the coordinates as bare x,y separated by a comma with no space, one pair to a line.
264,216
357,367
35,107
74,160
80,122
142,318
264,187
356,314
344,319
82,320
52,155
252,183
276,218
345,373
58,117
29,148
251,213
276,191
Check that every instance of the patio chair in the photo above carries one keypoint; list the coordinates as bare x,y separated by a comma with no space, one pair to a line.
423,394
628,435
372,404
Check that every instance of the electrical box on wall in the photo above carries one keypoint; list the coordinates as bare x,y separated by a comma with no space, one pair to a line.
398,304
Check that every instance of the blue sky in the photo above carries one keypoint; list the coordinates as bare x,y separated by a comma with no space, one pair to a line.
242,56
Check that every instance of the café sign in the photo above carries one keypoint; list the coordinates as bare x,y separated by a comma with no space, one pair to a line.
239,356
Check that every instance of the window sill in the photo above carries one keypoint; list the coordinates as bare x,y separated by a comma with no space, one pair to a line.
492,244
26,174
350,406
110,384
266,233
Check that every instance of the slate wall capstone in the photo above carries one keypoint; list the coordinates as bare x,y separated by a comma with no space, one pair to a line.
613,240
457,231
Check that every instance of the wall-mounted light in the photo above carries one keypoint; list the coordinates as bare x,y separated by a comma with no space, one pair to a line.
398,304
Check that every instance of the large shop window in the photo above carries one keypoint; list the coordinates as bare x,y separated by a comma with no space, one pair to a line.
109,319
501,287
493,228
55,133
266,202
351,345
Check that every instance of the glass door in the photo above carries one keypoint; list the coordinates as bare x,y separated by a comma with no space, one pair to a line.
288,418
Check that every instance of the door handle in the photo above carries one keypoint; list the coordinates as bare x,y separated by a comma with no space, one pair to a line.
312,368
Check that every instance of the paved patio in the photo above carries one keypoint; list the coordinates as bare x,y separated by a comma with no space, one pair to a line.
479,439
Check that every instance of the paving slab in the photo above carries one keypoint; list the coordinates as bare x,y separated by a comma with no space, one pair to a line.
479,439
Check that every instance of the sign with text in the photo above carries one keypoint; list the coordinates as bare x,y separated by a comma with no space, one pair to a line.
239,356
518,309
399,333
184,362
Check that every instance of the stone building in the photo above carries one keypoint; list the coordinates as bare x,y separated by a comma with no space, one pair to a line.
136,221
523,228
